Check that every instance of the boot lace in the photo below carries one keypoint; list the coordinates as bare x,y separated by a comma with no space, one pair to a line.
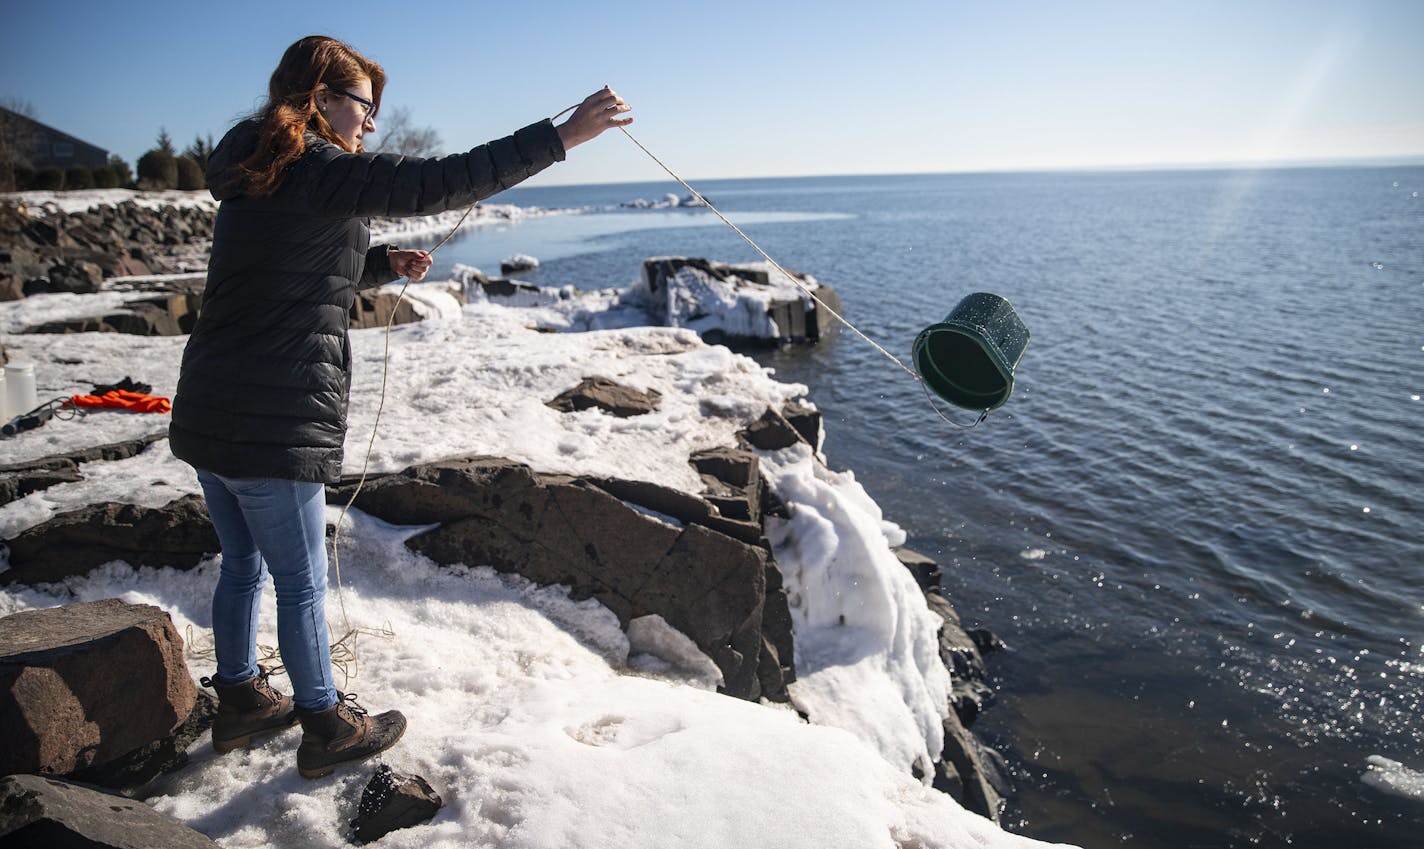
346,704
262,686
260,683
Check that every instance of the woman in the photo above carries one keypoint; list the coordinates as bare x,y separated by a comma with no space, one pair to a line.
260,408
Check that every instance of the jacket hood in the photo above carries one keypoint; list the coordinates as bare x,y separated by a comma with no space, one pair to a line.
224,177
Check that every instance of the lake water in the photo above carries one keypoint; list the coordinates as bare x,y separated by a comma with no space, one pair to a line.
1199,521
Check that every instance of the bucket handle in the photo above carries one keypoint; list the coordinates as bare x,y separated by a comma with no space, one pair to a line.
930,400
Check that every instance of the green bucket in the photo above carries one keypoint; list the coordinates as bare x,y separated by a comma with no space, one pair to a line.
969,358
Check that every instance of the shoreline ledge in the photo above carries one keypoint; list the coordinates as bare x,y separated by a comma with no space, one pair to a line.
698,543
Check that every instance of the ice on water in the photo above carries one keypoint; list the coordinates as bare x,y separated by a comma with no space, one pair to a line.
1394,778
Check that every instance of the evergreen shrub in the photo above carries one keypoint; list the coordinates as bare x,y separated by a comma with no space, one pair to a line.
157,170
78,177
190,174
49,179
105,178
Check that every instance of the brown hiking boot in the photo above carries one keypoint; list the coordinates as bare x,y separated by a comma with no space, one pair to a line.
343,733
248,709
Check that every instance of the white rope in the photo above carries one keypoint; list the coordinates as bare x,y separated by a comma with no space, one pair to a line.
351,633
807,289
386,362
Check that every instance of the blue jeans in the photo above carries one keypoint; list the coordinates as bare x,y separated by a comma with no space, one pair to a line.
277,526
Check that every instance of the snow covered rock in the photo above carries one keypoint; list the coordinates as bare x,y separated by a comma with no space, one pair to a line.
170,308
84,684
735,304
374,307
708,585
103,234
177,534
517,263
20,479
668,201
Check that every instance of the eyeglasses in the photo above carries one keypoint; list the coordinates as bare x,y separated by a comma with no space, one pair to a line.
370,106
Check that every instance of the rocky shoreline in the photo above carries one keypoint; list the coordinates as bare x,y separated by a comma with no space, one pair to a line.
701,562
46,250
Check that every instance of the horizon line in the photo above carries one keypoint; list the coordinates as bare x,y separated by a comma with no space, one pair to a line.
1381,161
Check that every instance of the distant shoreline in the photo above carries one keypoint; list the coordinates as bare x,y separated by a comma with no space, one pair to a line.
1411,161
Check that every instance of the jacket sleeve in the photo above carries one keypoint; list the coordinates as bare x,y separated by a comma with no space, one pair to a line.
378,268
330,181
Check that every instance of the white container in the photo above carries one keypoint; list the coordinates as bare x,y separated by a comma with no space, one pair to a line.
19,389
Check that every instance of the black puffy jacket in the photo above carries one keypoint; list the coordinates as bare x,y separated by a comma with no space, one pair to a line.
267,371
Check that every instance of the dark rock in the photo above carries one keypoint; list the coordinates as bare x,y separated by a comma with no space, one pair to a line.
109,451
15,486
470,275
127,265
168,754
731,478
735,467
962,771
778,658
806,420
790,320
80,278
968,771
925,570
87,683
178,534
36,812
73,252
964,660
139,319
375,309
986,641
393,800
820,323
771,505
92,324
41,232
12,286
733,507
501,288
688,509
144,318
602,393
771,432
555,529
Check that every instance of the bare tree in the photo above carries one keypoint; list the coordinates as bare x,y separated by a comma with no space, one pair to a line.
397,135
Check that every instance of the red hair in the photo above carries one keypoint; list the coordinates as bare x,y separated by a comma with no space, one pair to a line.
308,66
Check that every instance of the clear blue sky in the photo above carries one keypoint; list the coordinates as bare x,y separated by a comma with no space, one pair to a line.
744,89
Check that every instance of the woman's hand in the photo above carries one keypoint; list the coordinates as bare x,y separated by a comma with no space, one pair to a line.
599,111
411,265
